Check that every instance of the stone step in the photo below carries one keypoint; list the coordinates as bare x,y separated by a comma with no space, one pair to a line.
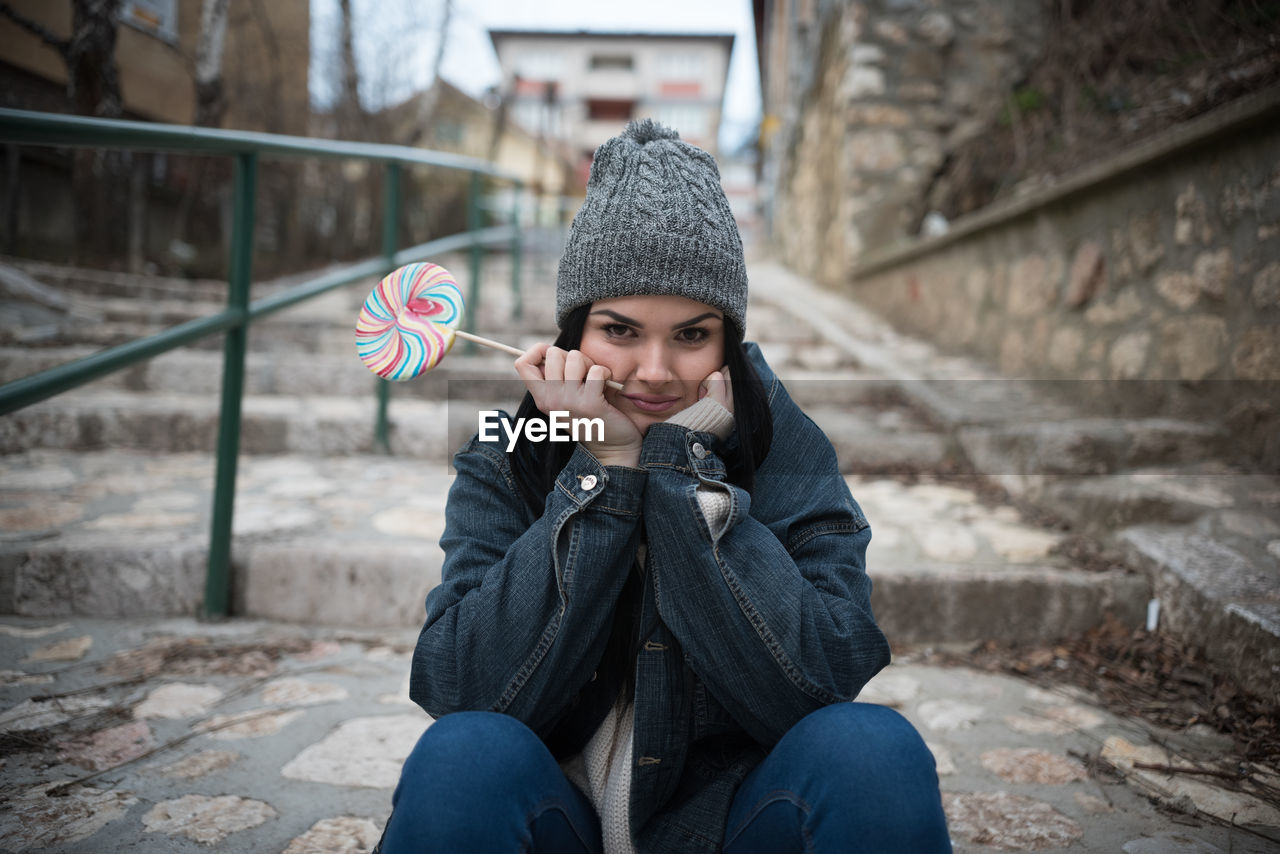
1020,456
73,281
884,440
1161,495
174,423
1219,588
353,541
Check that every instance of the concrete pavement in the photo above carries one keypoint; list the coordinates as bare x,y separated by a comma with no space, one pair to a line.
171,735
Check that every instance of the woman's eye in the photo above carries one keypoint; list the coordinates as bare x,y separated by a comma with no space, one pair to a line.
616,330
693,335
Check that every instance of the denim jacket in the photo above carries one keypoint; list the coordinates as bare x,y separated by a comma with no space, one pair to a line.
751,625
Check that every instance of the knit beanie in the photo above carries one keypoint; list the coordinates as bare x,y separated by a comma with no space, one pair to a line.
655,221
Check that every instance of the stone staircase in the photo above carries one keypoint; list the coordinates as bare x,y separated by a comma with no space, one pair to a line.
1158,492
106,490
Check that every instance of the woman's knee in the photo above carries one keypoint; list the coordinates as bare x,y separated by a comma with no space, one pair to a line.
483,744
862,737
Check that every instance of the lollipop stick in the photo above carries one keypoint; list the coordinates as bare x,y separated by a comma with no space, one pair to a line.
488,342
507,348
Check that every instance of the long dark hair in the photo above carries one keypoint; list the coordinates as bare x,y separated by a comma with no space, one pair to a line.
536,465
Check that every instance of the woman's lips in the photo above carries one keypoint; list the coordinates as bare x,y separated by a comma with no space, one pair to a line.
651,402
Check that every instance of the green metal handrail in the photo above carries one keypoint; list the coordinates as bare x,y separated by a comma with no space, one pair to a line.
30,128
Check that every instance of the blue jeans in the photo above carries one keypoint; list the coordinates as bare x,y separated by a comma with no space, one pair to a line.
848,777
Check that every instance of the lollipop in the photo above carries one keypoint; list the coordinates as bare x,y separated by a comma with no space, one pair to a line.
410,321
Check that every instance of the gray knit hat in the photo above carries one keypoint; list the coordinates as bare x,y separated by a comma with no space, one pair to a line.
655,221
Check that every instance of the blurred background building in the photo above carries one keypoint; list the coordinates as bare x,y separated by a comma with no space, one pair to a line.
264,63
583,87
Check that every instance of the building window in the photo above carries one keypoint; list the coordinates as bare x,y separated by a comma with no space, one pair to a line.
611,62
674,65
609,109
540,65
158,17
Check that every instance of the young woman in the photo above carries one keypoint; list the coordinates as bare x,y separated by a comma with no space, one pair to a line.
649,640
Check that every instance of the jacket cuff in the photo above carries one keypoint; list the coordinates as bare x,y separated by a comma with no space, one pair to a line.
616,488
673,447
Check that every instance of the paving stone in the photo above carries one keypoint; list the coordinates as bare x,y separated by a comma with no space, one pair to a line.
889,688
1008,822
1055,720
1029,765
343,835
360,752
410,522
204,819
33,714
15,678
71,649
1017,543
293,691
33,821
944,541
178,700
109,747
202,763
318,650
942,759
1091,804
252,724
949,715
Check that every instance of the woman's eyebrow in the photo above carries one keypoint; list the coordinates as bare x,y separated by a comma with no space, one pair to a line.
698,319
621,318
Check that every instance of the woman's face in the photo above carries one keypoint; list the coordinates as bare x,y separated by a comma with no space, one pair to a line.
659,347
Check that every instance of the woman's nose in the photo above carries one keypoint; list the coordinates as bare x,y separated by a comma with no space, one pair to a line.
653,366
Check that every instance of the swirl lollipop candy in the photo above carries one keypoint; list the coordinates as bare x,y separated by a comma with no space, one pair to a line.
410,321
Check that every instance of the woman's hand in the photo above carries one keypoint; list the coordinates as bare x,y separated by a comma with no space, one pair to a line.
568,381
718,387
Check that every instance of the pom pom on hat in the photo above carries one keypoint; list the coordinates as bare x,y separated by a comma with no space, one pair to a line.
647,130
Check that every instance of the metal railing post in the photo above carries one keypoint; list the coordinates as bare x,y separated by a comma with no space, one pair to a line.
217,591
517,299
390,241
473,225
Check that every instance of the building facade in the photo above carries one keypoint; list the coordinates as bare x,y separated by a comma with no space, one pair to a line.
582,88
264,66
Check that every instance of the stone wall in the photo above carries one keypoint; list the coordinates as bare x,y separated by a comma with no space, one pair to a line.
864,99
1152,280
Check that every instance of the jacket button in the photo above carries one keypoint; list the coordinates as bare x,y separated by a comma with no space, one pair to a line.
589,482
699,451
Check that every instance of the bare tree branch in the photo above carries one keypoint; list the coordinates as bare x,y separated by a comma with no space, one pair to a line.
62,46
